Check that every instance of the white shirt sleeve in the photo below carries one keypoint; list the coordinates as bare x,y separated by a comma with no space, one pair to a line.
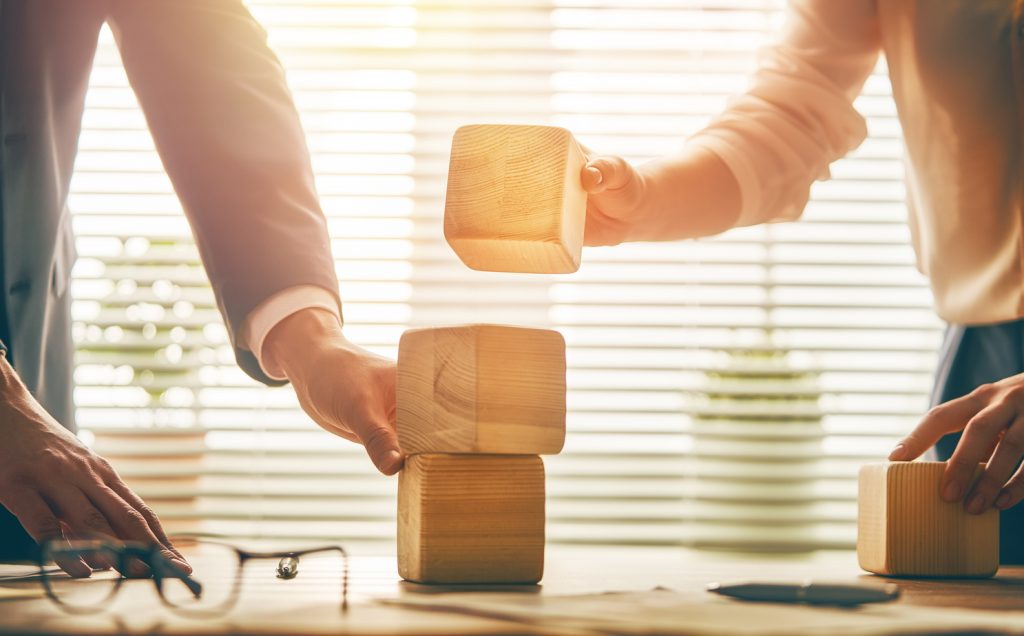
273,310
797,117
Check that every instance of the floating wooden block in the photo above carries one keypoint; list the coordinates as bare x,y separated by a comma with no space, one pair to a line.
906,529
471,519
515,202
481,389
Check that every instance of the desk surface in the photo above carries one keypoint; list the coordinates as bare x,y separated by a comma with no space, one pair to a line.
309,606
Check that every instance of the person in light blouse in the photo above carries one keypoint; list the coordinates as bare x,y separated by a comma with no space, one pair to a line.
957,73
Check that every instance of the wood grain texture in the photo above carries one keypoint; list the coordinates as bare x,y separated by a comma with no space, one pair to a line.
481,389
905,528
515,202
471,519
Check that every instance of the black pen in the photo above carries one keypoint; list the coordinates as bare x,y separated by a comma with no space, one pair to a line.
813,593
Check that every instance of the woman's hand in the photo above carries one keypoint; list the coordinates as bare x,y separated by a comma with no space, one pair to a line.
992,420
683,196
615,194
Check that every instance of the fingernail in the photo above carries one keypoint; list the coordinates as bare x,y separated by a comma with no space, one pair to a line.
898,453
1002,500
391,463
181,565
977,504
137,569
599,176
952,492
77,569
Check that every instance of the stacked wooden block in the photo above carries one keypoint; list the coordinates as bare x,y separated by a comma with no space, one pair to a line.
905,529
478,404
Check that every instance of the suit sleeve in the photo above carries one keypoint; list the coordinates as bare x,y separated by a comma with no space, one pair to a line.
797,116
226,128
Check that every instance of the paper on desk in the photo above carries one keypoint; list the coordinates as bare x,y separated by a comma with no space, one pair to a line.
666,612
21,572
18,593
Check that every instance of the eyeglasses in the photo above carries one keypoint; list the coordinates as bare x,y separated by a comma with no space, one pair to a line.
212,589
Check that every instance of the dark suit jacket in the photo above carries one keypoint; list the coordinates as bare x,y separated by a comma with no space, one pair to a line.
224,123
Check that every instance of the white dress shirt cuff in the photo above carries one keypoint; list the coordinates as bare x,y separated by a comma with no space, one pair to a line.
273,310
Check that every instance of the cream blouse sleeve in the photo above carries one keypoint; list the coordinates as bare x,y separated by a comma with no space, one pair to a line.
797,117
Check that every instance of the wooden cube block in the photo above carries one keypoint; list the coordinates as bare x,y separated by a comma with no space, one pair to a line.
515,202
481,389
906,529
471,519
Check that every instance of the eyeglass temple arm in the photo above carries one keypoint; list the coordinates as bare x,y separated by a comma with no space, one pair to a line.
165,569
298,553
292,553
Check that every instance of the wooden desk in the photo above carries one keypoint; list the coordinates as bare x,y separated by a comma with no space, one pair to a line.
309,605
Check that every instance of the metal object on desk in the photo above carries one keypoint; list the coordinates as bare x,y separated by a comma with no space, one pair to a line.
811,593
288,567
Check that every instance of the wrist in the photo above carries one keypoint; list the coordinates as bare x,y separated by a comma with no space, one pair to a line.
291,343
19,410
687,196
11,386
644,224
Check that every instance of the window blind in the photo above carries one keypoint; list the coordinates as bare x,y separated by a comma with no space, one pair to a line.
721,392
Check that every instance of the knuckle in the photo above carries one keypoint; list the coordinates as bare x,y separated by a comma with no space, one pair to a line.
48,459
94,520
983,392
45,527
1013,440
1014,393
983,423
104,467
376,438
146,512
959,464
988,483
132,517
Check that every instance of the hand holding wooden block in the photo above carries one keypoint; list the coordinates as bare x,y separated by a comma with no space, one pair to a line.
481,389
471,519
906,529
515,202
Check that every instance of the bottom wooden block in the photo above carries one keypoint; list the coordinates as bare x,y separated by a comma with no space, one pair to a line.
904,528
471,519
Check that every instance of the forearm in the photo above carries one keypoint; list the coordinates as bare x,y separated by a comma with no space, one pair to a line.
688,195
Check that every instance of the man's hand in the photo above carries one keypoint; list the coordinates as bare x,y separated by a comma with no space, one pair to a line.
615,193
346,389
992,420
57,487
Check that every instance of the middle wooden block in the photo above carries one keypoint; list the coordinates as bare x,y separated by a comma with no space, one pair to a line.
481,389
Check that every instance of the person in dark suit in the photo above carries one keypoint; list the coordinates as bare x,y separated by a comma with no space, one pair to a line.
224,123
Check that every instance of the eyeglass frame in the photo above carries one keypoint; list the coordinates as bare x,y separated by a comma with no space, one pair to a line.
161,568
